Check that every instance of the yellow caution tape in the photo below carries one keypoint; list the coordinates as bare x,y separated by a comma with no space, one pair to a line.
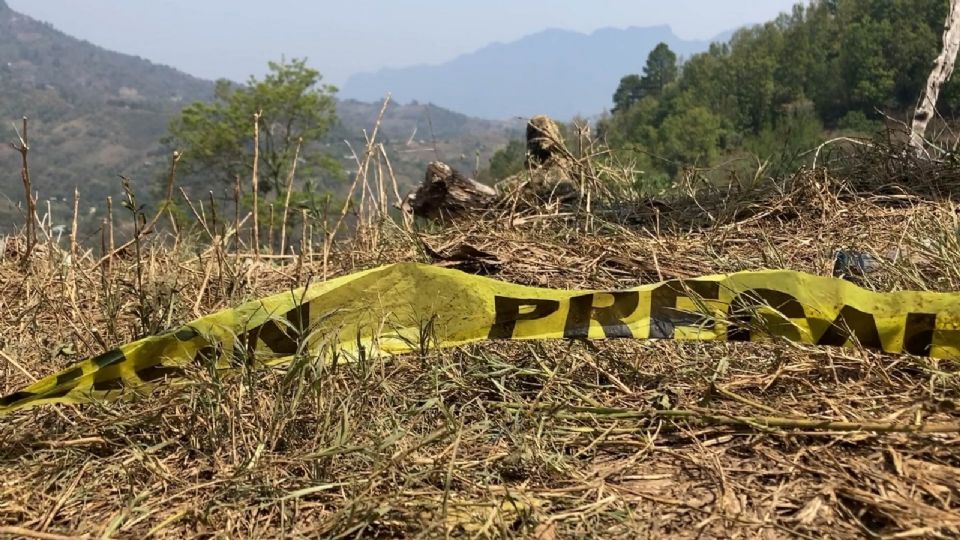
406,307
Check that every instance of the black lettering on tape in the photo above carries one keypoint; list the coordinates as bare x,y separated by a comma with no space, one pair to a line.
16,397
113,382
68,376
743,306
582,311
507,313
664,315
280,338
159,372
108,358
104,379
851,322
55,393
209,354
276,336
918,333
186,333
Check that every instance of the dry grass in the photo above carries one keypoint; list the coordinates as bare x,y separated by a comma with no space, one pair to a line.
537,440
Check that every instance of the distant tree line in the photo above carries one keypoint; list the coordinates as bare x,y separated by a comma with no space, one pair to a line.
775,89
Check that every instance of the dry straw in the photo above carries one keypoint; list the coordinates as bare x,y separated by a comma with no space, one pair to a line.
547,440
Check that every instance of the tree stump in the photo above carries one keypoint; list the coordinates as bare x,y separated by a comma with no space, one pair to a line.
545,146
550,168
445,194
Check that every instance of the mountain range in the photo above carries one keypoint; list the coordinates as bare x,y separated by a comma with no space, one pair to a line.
555,72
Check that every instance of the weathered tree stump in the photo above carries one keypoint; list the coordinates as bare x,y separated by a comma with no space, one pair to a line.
545,146
549,175
446,194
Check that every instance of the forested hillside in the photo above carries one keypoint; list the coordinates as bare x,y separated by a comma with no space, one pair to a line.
775,90
94,114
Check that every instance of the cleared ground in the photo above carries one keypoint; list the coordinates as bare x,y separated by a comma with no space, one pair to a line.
538,440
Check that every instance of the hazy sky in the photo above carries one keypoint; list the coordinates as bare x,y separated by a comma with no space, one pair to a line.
236,38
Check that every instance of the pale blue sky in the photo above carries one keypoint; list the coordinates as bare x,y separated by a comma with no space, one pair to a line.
236,38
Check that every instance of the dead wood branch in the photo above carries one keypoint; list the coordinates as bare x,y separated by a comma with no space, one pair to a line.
23,147
942,69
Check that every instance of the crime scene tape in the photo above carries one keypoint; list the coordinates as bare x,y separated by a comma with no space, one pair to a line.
397,308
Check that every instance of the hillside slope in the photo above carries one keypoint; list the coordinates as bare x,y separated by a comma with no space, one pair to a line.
555,72
97,114
94,114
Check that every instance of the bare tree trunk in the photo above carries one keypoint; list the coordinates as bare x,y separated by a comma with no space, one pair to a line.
942,69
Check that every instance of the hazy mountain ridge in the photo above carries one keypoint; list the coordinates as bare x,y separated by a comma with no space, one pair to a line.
556,72
415,120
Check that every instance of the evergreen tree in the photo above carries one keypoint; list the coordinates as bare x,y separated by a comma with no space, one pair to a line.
825,65
629,92
661,69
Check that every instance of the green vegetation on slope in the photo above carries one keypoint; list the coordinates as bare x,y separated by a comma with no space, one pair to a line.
774,88
774,91
294,112
94,114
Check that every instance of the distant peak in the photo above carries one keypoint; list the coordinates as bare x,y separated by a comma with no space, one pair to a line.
4,6
660,28
554,30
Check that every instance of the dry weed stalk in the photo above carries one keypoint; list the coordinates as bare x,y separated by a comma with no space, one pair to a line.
286,197
23,148
360,177
198,215
236,215
110,229
270,230
255,237
149,226
398,201
73,227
